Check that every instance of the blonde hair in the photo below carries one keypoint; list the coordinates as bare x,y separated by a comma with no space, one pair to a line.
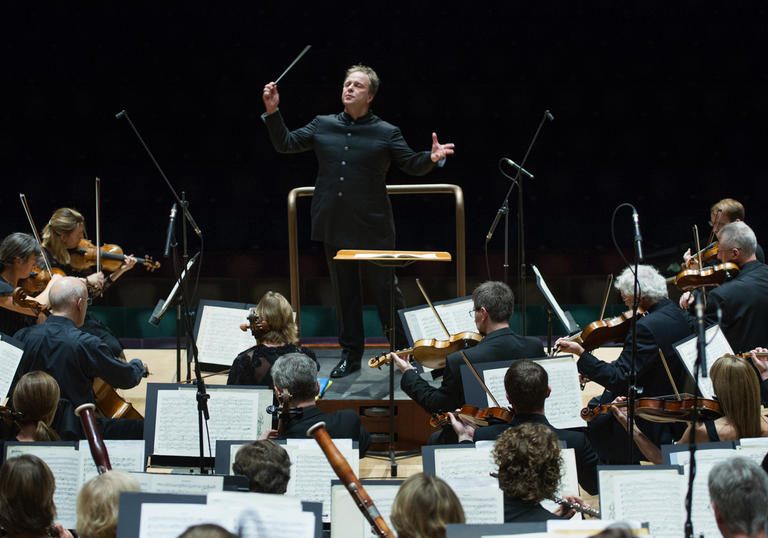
738,392
36,396
277,312
63,221
729,208
424,494
98,502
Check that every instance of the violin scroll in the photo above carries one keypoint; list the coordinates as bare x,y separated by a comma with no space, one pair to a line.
257,326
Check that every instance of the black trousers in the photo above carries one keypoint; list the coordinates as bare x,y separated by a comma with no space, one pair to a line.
349,279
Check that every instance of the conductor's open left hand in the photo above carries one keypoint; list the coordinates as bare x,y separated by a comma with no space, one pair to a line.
439,151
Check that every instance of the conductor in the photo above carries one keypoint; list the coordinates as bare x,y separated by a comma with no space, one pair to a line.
350,206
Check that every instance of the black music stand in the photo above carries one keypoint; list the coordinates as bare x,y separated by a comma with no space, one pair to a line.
391,259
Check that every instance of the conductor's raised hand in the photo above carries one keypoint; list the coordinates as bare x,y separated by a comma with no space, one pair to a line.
271,97
439,151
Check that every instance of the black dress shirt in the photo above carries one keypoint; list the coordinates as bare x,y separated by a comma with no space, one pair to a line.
254,365
343,424
586,457
519,511
74,358
10,320
350,206
500,345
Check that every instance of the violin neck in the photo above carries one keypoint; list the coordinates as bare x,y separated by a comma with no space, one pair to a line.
113,256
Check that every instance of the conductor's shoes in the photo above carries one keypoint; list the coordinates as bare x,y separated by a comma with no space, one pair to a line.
345,367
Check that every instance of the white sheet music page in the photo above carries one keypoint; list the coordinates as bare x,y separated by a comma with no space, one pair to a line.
264,514
569,483
423,324
219,338
717,346
346,519
10,356
662,492
460,465
311,474
236,413
179,484
124,455
65,464
754,448
169,520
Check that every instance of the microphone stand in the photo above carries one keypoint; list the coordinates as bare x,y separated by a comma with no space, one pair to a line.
504,210
202,395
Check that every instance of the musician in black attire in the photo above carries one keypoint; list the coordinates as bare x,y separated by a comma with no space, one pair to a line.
527,386
295,379
664,325
350,205
742,302
74,358
493,306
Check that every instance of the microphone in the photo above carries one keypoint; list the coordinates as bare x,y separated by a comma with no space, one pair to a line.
120,114
513,164
547,113
638,237
170,230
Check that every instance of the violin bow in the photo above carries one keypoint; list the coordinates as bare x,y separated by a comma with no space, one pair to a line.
98,224
463,355
669,374
25,205
701,265
608,283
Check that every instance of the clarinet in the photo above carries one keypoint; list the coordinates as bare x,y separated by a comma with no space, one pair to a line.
92,433
588,510
347,476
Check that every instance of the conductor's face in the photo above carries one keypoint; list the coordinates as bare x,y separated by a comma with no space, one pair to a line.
355,93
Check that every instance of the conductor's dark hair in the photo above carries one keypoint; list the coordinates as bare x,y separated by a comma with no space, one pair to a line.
497,299
526,383
373,87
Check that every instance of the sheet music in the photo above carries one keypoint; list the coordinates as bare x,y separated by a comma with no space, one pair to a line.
169,520
583,528
219,338
178,484
551,299
311,474
480,504
124,455
346,519
422,323
754,448
564,403
703,516
235,414
65,464
460,465
569,483
232,454
717,346
264,514
405,255
10,356
662,492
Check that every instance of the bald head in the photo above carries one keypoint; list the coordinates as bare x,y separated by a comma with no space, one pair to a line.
69,298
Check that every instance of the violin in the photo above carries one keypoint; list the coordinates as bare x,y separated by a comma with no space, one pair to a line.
691,279
475,415
38,279
257,326
112,257
706,254
21,299
663,409
605,330
431,352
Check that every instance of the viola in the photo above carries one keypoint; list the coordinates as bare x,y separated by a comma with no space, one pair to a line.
605,330
112,257
663,409
38,279
21,299
475,415
257,326
706,254
431,352
691,279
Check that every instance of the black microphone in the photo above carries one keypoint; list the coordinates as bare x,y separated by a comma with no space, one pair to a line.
120,114
638,237
170,230
547,113
513,164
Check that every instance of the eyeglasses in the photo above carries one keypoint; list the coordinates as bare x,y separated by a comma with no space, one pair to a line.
472,312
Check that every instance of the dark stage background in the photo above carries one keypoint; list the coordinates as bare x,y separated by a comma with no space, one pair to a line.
661,104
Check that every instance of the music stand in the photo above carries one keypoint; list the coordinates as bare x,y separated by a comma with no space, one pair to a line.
392,259
553,307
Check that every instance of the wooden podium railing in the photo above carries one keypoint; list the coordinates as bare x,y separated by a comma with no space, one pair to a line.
428,188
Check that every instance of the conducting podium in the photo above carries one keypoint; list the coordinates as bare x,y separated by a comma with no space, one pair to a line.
393,259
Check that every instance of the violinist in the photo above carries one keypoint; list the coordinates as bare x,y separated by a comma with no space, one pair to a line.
738,394
658,330
74,358
721,213
493,306
276,335
62,234
527,387
36,396
296,387
741,304
18,257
